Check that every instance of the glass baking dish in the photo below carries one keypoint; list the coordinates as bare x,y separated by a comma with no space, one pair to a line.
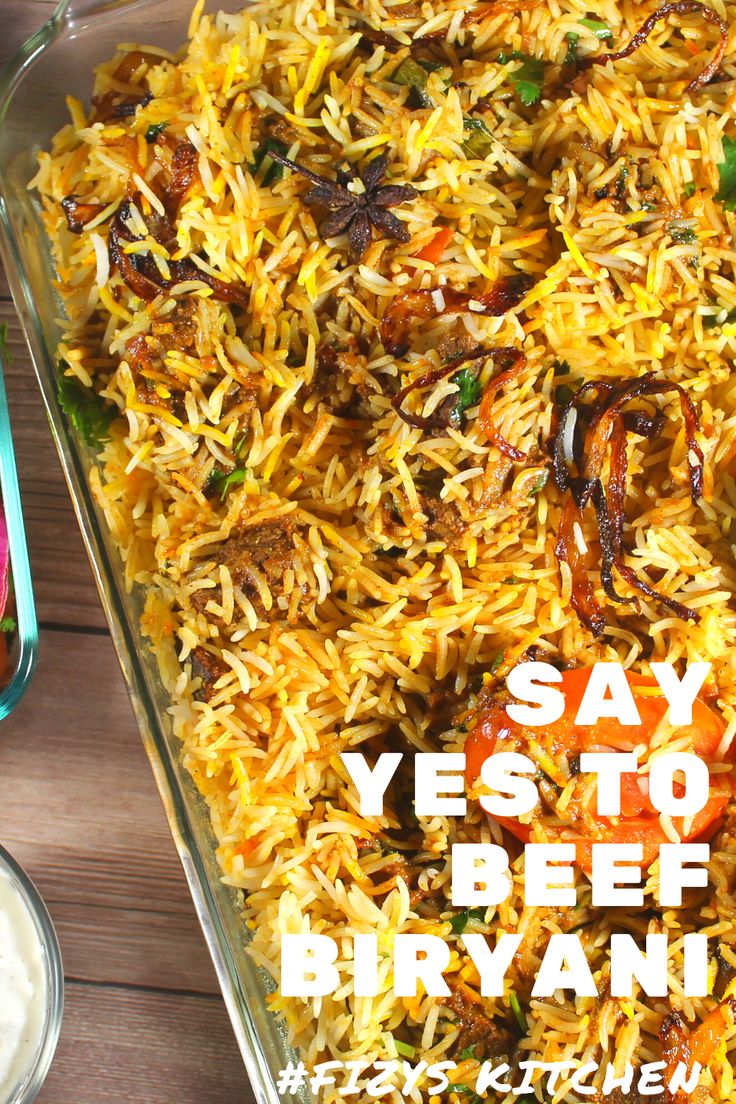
56,61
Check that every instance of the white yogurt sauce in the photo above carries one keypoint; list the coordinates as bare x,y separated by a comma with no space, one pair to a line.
22,989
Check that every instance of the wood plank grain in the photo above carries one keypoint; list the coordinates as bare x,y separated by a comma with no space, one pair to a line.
144,1048
79,804
135,947
65,590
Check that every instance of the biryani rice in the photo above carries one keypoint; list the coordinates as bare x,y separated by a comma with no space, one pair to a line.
375,606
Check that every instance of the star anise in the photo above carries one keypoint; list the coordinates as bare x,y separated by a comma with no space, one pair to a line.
356,211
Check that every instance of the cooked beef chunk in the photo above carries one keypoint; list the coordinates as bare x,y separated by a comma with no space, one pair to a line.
444,521
489,1039
456,345
209,669
267,549
339,382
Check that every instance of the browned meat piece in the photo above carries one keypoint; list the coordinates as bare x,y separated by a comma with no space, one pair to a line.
476,1030
456,345
268,546
444,520
441,707
178,330
267,549
209,669
338,382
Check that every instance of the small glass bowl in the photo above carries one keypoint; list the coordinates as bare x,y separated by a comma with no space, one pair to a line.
30,1085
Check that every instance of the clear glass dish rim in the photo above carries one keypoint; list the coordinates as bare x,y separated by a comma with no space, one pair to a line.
249,1040
31,1085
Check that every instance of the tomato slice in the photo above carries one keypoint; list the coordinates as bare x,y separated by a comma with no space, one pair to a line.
434,249
639,821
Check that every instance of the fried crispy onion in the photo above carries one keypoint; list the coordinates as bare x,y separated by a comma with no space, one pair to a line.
683,7
427,304
592,426
142,275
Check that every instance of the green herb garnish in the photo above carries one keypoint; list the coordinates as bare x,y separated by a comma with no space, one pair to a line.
274,172
469,390
497,661
727,173
479,143
518,1013
689,189
460,920
404,1049
709,321
153,132
528,79
539,484
469,1052
85,410
415,76
563,392
394,551
223,481
601,30
573,40
7,625
474,1098
683,235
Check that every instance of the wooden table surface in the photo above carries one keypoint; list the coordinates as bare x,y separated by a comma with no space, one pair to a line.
144,1022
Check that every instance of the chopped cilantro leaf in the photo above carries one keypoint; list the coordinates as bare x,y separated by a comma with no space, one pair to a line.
468,1053
153,132
274,171
689,190
528,79
85,410
225,480
7,625
518,1013
601,30
497,661
404,1049
461,919
573,40
727,172
469,390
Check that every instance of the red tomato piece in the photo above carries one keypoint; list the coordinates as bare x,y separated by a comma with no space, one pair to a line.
639,821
